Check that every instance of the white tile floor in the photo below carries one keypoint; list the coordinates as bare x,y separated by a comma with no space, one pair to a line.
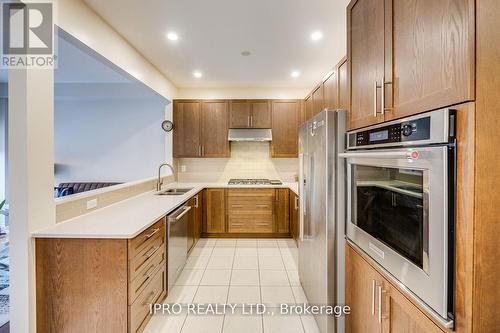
247,271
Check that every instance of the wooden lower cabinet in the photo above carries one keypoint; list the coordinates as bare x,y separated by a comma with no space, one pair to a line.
378,306
294,216
250,212
99,285
194,221
282,210
214,211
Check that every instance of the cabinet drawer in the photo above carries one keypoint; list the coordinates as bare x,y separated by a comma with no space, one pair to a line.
139,310
251,192
139,281
143,258
137,245
250,205
250,223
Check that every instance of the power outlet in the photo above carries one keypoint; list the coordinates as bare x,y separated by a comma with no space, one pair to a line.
183,168
92,204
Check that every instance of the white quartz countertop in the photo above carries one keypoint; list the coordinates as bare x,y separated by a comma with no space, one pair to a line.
128,218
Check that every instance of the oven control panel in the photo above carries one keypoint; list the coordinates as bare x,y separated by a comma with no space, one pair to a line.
406,131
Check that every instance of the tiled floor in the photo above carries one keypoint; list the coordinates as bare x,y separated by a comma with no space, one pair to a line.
231,271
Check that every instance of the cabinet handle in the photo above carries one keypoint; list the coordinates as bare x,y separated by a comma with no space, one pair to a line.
375,87
373,297
380,303
251,121
149,271
152,234
202,150
383,97
236,224
196,202
296,203
248,121
150,298
262,206
199,150
152,251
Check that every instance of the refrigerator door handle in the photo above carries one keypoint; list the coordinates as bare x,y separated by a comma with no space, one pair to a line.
302,196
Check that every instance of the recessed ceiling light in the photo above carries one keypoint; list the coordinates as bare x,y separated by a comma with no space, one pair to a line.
246,53
316,35
172,36
295,74
197,74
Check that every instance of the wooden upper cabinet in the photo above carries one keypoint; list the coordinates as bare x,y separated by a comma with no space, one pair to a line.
186,135
214,203
214,129
285,114
330,92
317,100
365,48
249,114
308,103
343,86
408,57
261,114
239,114
433,55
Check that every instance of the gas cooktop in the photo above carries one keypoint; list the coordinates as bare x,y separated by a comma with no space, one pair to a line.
254,182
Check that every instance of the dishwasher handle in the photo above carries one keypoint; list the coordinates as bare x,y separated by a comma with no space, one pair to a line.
176,217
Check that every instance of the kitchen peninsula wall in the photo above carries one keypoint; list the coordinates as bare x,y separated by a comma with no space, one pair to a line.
248,160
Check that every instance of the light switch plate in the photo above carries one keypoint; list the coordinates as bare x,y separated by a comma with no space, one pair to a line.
92,204
183,168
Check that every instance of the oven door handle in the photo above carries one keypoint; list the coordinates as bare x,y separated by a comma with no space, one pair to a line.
409,154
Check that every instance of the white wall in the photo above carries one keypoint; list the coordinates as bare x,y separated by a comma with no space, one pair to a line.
76,18
108,140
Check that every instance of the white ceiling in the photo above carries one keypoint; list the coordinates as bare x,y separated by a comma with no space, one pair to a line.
213,33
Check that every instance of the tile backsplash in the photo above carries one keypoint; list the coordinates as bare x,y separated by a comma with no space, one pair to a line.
248,160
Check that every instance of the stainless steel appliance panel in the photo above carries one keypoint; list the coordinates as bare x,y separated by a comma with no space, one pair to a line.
177,243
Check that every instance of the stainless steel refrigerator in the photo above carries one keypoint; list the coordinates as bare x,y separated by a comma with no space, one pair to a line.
322,211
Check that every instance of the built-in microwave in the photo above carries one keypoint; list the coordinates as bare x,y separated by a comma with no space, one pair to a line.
401,203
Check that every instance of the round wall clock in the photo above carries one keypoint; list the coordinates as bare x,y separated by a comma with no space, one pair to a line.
167,125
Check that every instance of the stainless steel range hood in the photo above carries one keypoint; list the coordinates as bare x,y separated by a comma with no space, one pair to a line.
250,134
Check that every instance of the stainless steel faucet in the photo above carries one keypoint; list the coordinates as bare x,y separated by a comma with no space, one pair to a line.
159,182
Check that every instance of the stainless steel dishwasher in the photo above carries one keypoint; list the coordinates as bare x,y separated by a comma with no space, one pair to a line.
177,243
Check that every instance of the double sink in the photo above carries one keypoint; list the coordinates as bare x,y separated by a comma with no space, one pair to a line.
174,191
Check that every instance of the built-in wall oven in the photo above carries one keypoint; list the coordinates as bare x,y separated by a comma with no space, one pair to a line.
401,203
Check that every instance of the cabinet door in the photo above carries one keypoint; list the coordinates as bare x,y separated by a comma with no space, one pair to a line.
187,129
362,285
309,107
282,210
214,129
191,225
239,114
330,92
317,100
433,55
400,315
215,210
285,128
343,86
294,216
261,114
365,40
198,205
